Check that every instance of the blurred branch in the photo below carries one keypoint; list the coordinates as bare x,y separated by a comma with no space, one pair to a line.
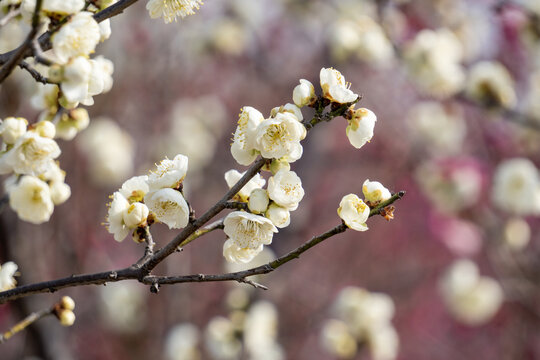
34,73
10,15
29,320
214,226
20,52
44,40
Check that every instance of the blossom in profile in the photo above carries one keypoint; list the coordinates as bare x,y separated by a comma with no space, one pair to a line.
243,147
169,173
239,255
280,216
375,192
170,10
169,207
248,230
115,217
31,199
335,88
354,212
7,273
361,126
304,93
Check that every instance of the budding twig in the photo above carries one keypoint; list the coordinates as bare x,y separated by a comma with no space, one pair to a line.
27,321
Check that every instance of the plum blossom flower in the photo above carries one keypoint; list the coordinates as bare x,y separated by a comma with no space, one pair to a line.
236,254
243,147
75,80
135,189
285,189
490,83
115,217
7,272
78,37
248,230
335,88
169,207
280,216
375,192
169,173
258,201
354,212
135,215
31,199
360,128
304,93
170,10
337,339
12,128
280,136
256,182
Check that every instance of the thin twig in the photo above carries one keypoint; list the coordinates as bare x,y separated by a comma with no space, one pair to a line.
27,321
205,230
34,73
10,15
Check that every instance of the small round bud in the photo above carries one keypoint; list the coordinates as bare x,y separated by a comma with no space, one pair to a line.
258,201
12,128
66,317
67,303
46,129
304,93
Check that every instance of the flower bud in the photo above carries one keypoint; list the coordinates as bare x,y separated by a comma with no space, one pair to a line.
66,317
46,129
258,201
360,129
12,128
279,216
60,192
135,215
304,93
67,303
277,165
375,192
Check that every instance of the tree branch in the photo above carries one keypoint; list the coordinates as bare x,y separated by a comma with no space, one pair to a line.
27,321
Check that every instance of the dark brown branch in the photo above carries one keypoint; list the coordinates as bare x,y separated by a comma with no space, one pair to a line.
236,205
34,73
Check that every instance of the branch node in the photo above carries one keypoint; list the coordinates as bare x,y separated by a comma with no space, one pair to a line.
154,288
113,275
201,277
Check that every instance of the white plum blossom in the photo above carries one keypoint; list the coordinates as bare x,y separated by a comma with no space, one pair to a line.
105,30
354,212
383,342
287,108
78,37
100,80
7,271
285,189
248,230
304,93
280,137
280,216
181,343
135,188
60,192
260,332
169,207
258,201
169,173
31,199
243,147
135,215
360,128
71,123
45,129
516,187
335,88
170,10
115,217
489,82
256,182
11,128
75,80
220,339
472,299
31,154
238,255
375,192
122,306
337,339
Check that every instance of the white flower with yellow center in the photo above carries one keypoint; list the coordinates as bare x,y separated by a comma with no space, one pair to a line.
248,230
375,192
12,128
470,298
256,182
31,199
335,88
285,189
169,207
236,254
135,189
31,154
361,126
170,10
280,136
7,271
243,147
78,37
115,217
169,173
354,212
304,93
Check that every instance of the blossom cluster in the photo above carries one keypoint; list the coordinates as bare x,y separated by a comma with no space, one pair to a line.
145,199
361,317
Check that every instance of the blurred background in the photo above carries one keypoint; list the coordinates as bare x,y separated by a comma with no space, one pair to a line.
455,85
